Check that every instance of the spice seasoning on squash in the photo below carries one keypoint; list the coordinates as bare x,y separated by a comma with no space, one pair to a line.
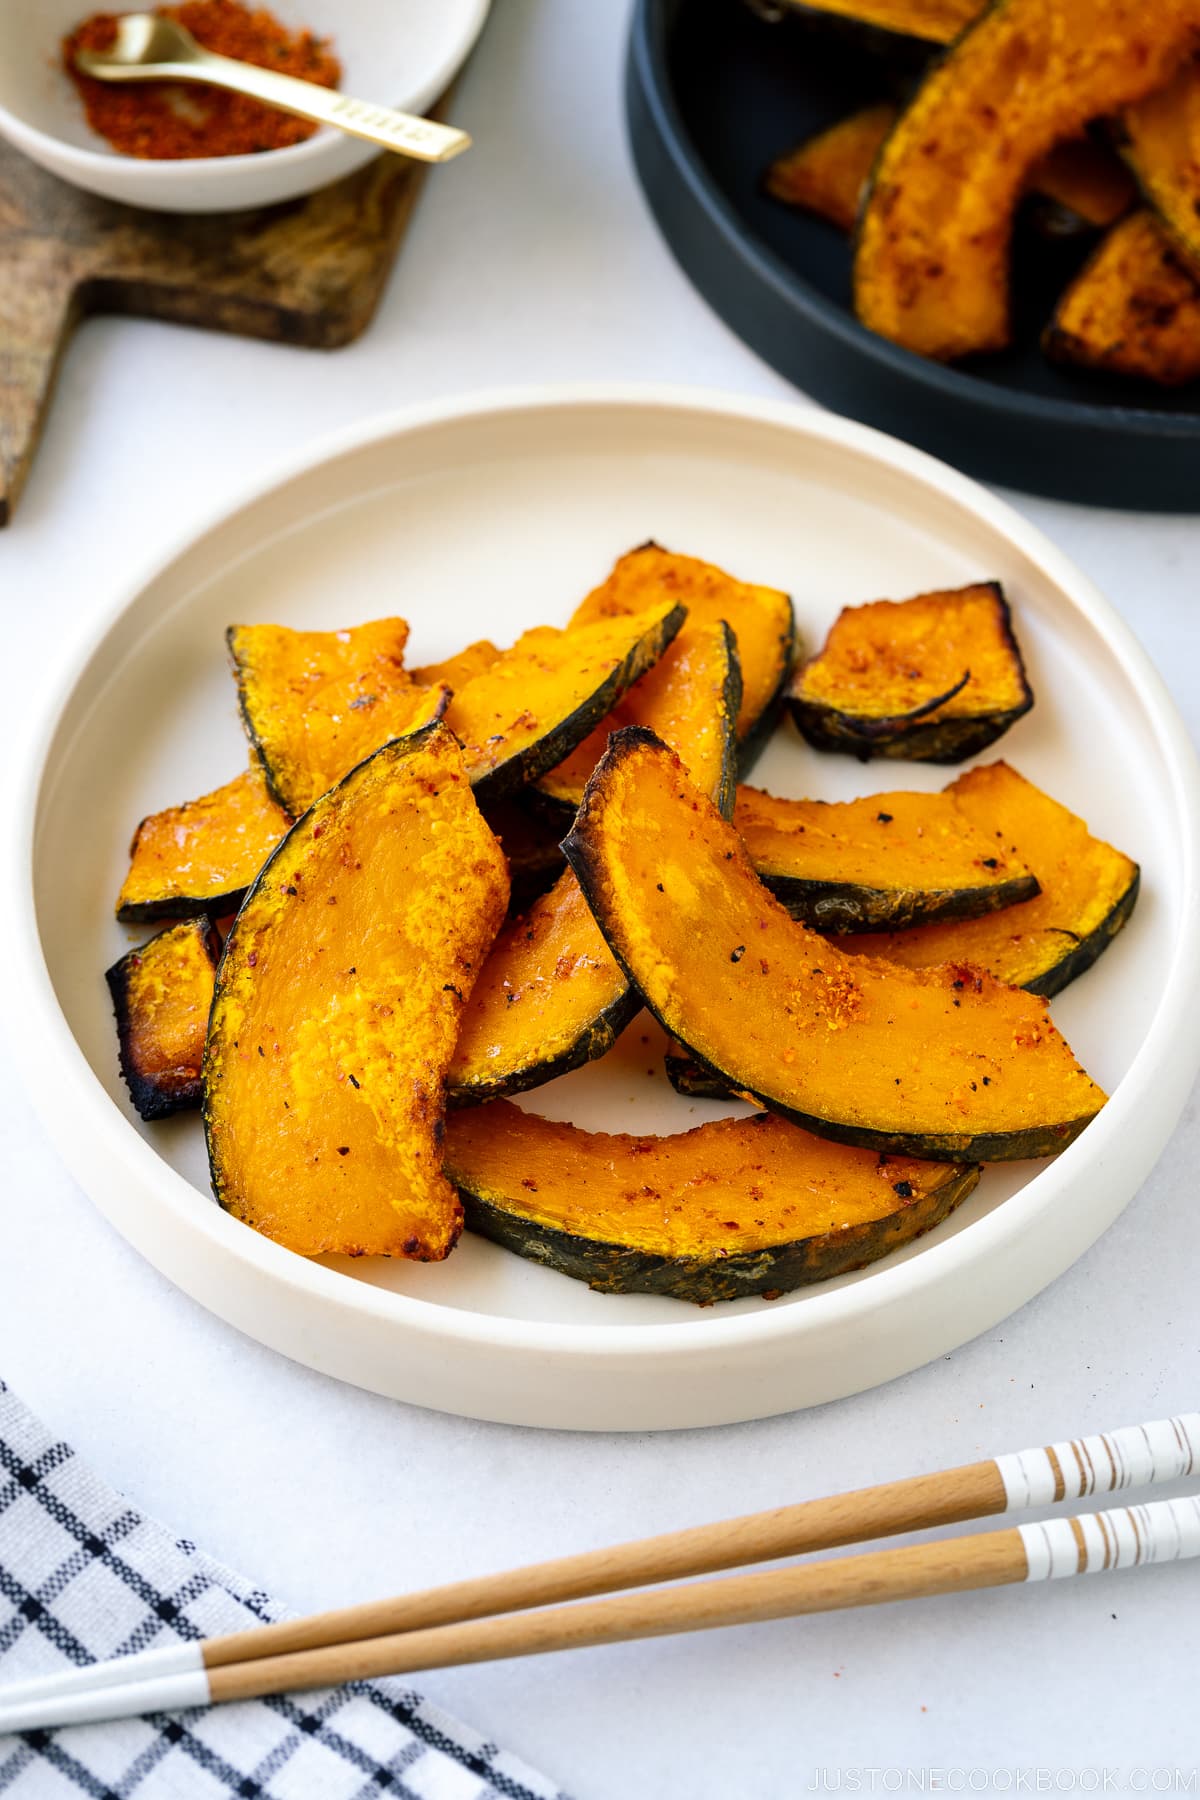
161,995
734,1207
172,120
337,1009
1133,309
1088,891
202,856
932,262
932,679
940,1063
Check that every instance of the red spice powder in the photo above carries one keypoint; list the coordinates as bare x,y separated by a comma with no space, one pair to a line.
168,120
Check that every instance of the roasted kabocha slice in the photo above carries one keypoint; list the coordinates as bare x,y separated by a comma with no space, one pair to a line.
933,679
932,264
733,1208
690,699
1079,186
202,856
1088,891
1134,309
760,618
537,701
315,703
927,21
161,994
455,671
551,996
885,863
1160,136
946,1063
338,1004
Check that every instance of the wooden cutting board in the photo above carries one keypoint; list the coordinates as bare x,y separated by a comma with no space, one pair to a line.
310,272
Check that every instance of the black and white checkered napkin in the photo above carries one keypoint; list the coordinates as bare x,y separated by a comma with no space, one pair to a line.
84,1576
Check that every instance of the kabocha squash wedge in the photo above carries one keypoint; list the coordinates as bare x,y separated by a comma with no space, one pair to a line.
161,994
690,699
551,996
760,618
946,1063
1160,137
315,703
1088,891
202,856
455,671
538,700
1134,309
1079,186
735,1207
338,1004
932,262
891,861
930,21
932,679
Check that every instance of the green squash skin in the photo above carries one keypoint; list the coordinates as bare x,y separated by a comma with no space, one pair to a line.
151,1098
181,906
557,743
1085,951
842,907
751,746
560,813
612,1268
988,1146
595,1040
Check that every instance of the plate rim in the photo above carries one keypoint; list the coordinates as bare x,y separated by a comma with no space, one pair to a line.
79,1092
648,65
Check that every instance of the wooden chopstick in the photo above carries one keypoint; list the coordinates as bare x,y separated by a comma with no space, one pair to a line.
408,1625
1125,1537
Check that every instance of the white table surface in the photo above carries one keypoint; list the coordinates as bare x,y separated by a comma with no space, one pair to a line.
534,260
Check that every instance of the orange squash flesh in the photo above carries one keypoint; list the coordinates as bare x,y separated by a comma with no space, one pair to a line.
889,861
1161,139
933,679
1088,891
735,1207
337,1008
202,856
550,998
161,994
826,174
932,263
315,703
1134,309
455,671
933,21
690,699
946,1063
542,697
760,618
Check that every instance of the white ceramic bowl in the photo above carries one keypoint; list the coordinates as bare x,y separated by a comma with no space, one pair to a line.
480,517
401,53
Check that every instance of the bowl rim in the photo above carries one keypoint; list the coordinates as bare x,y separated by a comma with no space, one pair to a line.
1174,1029
159,171
649,62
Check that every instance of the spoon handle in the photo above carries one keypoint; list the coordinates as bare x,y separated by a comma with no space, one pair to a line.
423,139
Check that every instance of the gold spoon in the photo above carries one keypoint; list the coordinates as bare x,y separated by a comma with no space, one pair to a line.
149,48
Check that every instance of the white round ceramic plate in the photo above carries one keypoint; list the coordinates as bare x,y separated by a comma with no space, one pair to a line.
483,517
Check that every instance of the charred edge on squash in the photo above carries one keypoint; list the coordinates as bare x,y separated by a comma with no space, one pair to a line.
1087,950
544,753
845,907
154,1096
594,1041
181,906
981,1146
903,736
612,1268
